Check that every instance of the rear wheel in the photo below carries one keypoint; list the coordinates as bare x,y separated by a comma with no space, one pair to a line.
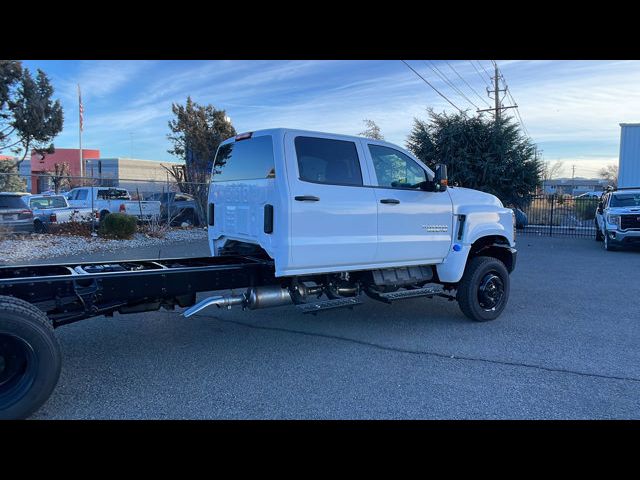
30,358
39,227
484,289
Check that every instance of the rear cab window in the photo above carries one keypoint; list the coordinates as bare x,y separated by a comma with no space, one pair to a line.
48,202
328,161
248,159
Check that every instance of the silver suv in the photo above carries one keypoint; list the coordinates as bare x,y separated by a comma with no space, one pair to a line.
15,215
618,218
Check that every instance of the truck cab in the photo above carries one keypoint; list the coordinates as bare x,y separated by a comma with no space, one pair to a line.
365,214
618,218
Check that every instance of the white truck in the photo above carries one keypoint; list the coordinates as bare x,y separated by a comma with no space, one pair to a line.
618,218
295,217
106,200
53,210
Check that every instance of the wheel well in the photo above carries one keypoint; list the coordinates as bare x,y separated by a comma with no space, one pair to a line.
493,246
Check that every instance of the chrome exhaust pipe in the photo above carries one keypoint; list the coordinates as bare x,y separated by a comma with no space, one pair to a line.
253,298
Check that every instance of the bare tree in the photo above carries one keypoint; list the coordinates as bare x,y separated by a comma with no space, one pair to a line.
553,170
610,174
60,176
372,130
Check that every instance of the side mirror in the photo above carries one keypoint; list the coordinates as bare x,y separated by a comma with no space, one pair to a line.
440,180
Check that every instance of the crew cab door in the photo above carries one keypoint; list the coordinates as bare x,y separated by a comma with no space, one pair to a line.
78,197
413,225
333,215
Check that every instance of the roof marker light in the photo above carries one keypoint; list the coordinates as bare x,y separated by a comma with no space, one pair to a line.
243,136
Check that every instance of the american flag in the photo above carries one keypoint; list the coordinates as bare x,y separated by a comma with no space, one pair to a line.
81,110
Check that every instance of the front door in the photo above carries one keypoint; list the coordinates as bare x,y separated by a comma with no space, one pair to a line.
413,225
333,216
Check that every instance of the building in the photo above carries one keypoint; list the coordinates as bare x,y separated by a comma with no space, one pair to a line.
24,171
629,160
575,186
145,176
41,167
134,174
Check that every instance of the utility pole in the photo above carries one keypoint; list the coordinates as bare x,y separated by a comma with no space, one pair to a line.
496,94
573,172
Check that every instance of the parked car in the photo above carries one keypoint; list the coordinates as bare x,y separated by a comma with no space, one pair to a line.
521,218
618,218
15,214
106,200
181,207
590,195
55,209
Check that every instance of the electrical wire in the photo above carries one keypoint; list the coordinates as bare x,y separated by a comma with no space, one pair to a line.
468,85
437,71
434,88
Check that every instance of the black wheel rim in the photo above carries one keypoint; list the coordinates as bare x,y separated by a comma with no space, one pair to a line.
490,291
18,364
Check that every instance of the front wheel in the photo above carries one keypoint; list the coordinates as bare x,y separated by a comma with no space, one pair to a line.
484,289
30,358
599,236
607,243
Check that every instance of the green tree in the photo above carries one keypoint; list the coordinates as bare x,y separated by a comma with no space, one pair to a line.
480,153
10,181
29,117
371,130
196,133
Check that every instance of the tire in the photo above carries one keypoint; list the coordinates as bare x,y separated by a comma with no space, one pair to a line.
483,291
30,358
39,227
607,243
599,236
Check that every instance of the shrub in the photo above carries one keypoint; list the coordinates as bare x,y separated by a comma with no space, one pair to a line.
586,208
118,225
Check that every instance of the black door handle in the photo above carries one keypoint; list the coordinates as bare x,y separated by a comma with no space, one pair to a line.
307,198
392,201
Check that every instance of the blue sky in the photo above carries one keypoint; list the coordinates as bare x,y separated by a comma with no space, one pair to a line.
571,109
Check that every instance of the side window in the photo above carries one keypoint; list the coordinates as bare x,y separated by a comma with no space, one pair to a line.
394,169
80,195
324,160
249,159
72,195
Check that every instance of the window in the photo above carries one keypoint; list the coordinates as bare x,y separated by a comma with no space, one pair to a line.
324,160
625,200
109,194
395,169
80,195
48,202
11,201
249,159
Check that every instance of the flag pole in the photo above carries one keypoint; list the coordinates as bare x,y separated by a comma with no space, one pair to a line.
80,135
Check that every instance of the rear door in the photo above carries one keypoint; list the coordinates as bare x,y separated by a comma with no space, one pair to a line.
333,215
413,225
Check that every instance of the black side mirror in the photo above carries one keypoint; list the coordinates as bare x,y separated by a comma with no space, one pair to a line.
440,179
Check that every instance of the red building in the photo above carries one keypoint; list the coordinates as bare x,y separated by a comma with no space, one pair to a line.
41,165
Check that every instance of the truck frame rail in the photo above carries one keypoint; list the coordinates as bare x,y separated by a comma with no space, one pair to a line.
75,291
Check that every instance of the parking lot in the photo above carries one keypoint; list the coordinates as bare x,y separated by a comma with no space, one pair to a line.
566,347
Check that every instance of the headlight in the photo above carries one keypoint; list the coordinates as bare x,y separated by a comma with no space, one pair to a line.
613,219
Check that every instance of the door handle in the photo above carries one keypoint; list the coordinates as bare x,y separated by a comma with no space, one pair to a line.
392,201
307,198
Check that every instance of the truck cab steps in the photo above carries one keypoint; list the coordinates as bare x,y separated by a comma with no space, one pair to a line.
389,297
323,305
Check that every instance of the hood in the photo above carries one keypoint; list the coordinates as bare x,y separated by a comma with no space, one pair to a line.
623,210
468,196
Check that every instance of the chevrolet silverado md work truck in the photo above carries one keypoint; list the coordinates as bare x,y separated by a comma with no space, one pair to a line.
299,218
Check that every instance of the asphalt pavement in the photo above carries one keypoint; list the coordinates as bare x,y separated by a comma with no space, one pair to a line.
566,347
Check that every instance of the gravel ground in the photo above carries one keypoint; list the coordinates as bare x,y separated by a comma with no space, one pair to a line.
566,347
34,246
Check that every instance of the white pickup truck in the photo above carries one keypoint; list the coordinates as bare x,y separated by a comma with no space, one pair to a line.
618,218
106,200
342,215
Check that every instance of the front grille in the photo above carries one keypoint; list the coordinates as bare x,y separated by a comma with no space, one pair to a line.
629,221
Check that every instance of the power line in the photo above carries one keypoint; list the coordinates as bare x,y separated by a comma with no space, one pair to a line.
467,83
477,71
485,71
434,88
449,82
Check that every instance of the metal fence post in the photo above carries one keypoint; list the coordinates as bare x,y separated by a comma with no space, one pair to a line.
553,199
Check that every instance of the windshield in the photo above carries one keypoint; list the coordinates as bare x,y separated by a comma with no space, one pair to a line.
625,200
48,202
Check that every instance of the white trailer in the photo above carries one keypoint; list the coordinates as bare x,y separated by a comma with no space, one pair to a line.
629,161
